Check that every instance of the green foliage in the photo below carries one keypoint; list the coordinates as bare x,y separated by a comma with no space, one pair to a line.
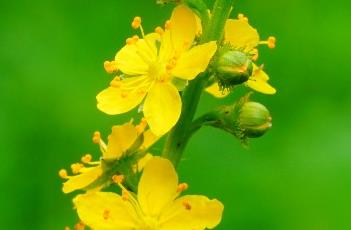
295,178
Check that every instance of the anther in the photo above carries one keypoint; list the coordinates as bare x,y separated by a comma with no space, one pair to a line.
168,25
271,42
130,41
254,53
159,30
63,174
125,195
67,228
96,137
186,205
242,17
135,38
79,226
76,167
110,66
141,127
106,214
124,94
136,22
182,187
86,158
118,179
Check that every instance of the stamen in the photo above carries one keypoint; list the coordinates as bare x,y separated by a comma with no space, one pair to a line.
159,30
124,94
182,187
106,214
63,174
76,167
79,226
130,41
141,127
116,82
125,195
186,205
110,66
271,42
168,25
118,179
67,228
136,22
86,158
242,17
96,137
254,54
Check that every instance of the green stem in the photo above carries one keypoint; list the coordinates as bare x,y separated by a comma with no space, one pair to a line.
180,134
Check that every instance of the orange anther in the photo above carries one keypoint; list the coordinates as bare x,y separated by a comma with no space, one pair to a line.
118,179
63,174
182,187
96,137
106,214
159,30
76,167
125,195
271,42
110,66
86,158
186,205
136,22
168,25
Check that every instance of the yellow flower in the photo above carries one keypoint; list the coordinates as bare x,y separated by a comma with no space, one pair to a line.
157,206
120,144
241,35
149,68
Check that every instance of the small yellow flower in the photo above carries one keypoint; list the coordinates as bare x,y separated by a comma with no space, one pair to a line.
240,34
149,67
120,142
157,206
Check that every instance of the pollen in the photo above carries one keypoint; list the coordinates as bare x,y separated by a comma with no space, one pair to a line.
182,187
110,66
186,205
242,17
271,42
106,214
76,167
118,179
130,41
96,137
159,30
86,158
168,25
136,22
63,173
124,94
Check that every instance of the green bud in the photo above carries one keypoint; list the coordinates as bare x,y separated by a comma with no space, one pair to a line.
254,119
233,68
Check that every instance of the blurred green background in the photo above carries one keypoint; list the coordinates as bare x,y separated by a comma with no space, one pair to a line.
297,177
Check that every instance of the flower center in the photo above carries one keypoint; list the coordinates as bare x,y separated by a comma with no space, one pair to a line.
157,71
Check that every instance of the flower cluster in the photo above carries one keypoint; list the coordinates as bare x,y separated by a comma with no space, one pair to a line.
163,74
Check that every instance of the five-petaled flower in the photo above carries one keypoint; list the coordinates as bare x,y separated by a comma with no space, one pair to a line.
157,206
120,142
150,68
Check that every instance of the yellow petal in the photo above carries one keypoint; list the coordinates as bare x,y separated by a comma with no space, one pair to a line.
240,34
192,212
142,162
105,211
162,107
215,91
258,82
120,140
149,139
194,61
183,28
82,180
158,186
117,100
133,59
167,50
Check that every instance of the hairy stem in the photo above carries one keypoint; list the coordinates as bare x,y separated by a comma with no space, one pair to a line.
180,134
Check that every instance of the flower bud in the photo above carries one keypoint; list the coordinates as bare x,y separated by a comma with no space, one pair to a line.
233,68
254,119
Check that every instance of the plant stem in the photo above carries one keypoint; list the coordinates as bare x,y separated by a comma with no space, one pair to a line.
180,134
